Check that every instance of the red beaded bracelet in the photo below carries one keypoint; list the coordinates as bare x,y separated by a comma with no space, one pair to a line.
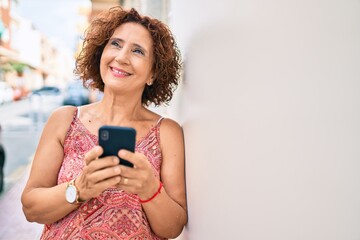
153,196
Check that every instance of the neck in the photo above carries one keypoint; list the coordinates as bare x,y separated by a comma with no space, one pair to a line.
113,111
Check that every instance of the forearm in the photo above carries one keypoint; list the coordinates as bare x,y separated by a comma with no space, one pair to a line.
167,218
46,205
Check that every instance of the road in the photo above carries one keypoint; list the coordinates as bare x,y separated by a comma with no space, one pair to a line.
22,123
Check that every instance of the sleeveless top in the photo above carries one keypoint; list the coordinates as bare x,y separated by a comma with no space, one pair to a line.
114,214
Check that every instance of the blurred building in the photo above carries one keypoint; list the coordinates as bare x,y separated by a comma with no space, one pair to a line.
156,8
6,53
102,5
28,58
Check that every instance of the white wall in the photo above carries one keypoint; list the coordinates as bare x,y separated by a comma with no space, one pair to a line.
271,114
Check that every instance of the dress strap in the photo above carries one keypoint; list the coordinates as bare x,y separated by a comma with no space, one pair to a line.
77,111
157,129
158,122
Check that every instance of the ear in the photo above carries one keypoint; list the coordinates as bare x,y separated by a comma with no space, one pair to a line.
150,82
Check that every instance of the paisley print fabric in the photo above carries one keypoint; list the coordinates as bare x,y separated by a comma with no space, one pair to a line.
114,214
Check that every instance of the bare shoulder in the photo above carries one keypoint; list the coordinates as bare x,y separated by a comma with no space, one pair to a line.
170,132
62,114
170,126
60,120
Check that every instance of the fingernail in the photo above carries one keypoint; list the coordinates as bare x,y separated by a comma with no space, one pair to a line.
122,153
115,160
98,149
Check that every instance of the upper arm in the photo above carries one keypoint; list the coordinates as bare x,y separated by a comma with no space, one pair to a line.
173,163
49,153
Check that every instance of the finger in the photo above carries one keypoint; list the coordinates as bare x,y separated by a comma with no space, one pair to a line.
137,159
101,163
93,154
127,184
106,183
104,174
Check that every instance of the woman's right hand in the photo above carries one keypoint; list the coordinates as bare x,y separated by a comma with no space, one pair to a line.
98,174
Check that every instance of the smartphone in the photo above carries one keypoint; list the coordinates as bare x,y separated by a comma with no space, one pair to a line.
114,138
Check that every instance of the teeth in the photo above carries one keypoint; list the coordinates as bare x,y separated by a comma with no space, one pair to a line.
120,72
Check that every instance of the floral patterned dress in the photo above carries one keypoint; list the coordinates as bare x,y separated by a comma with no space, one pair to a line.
114,214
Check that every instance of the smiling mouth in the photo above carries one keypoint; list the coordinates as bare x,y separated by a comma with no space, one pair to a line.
120,72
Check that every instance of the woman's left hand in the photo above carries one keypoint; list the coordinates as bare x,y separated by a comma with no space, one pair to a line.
140,179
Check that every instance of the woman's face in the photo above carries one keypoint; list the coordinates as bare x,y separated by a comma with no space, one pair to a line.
127,59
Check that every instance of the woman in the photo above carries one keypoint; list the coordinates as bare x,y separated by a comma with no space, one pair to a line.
134,60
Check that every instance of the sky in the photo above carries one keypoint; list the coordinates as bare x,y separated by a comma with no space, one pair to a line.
57,19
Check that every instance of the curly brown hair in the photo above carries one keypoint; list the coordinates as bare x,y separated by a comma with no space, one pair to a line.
166,58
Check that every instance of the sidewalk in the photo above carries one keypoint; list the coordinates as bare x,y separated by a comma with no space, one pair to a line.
13,224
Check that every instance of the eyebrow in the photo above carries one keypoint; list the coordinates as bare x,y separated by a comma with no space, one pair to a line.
135,44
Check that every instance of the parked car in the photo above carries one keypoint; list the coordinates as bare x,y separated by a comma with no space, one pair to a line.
6,92
76,94
46,99
2,163
47,90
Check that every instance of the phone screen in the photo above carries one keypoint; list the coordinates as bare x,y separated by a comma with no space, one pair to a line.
114,138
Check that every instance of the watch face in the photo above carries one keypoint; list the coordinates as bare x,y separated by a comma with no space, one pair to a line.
70,194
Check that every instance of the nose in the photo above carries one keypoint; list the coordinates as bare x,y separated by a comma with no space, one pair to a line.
122,56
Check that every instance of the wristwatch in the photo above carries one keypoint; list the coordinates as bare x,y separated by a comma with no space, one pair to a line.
72,193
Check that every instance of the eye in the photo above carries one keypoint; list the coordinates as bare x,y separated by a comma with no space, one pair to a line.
139,51
115,43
